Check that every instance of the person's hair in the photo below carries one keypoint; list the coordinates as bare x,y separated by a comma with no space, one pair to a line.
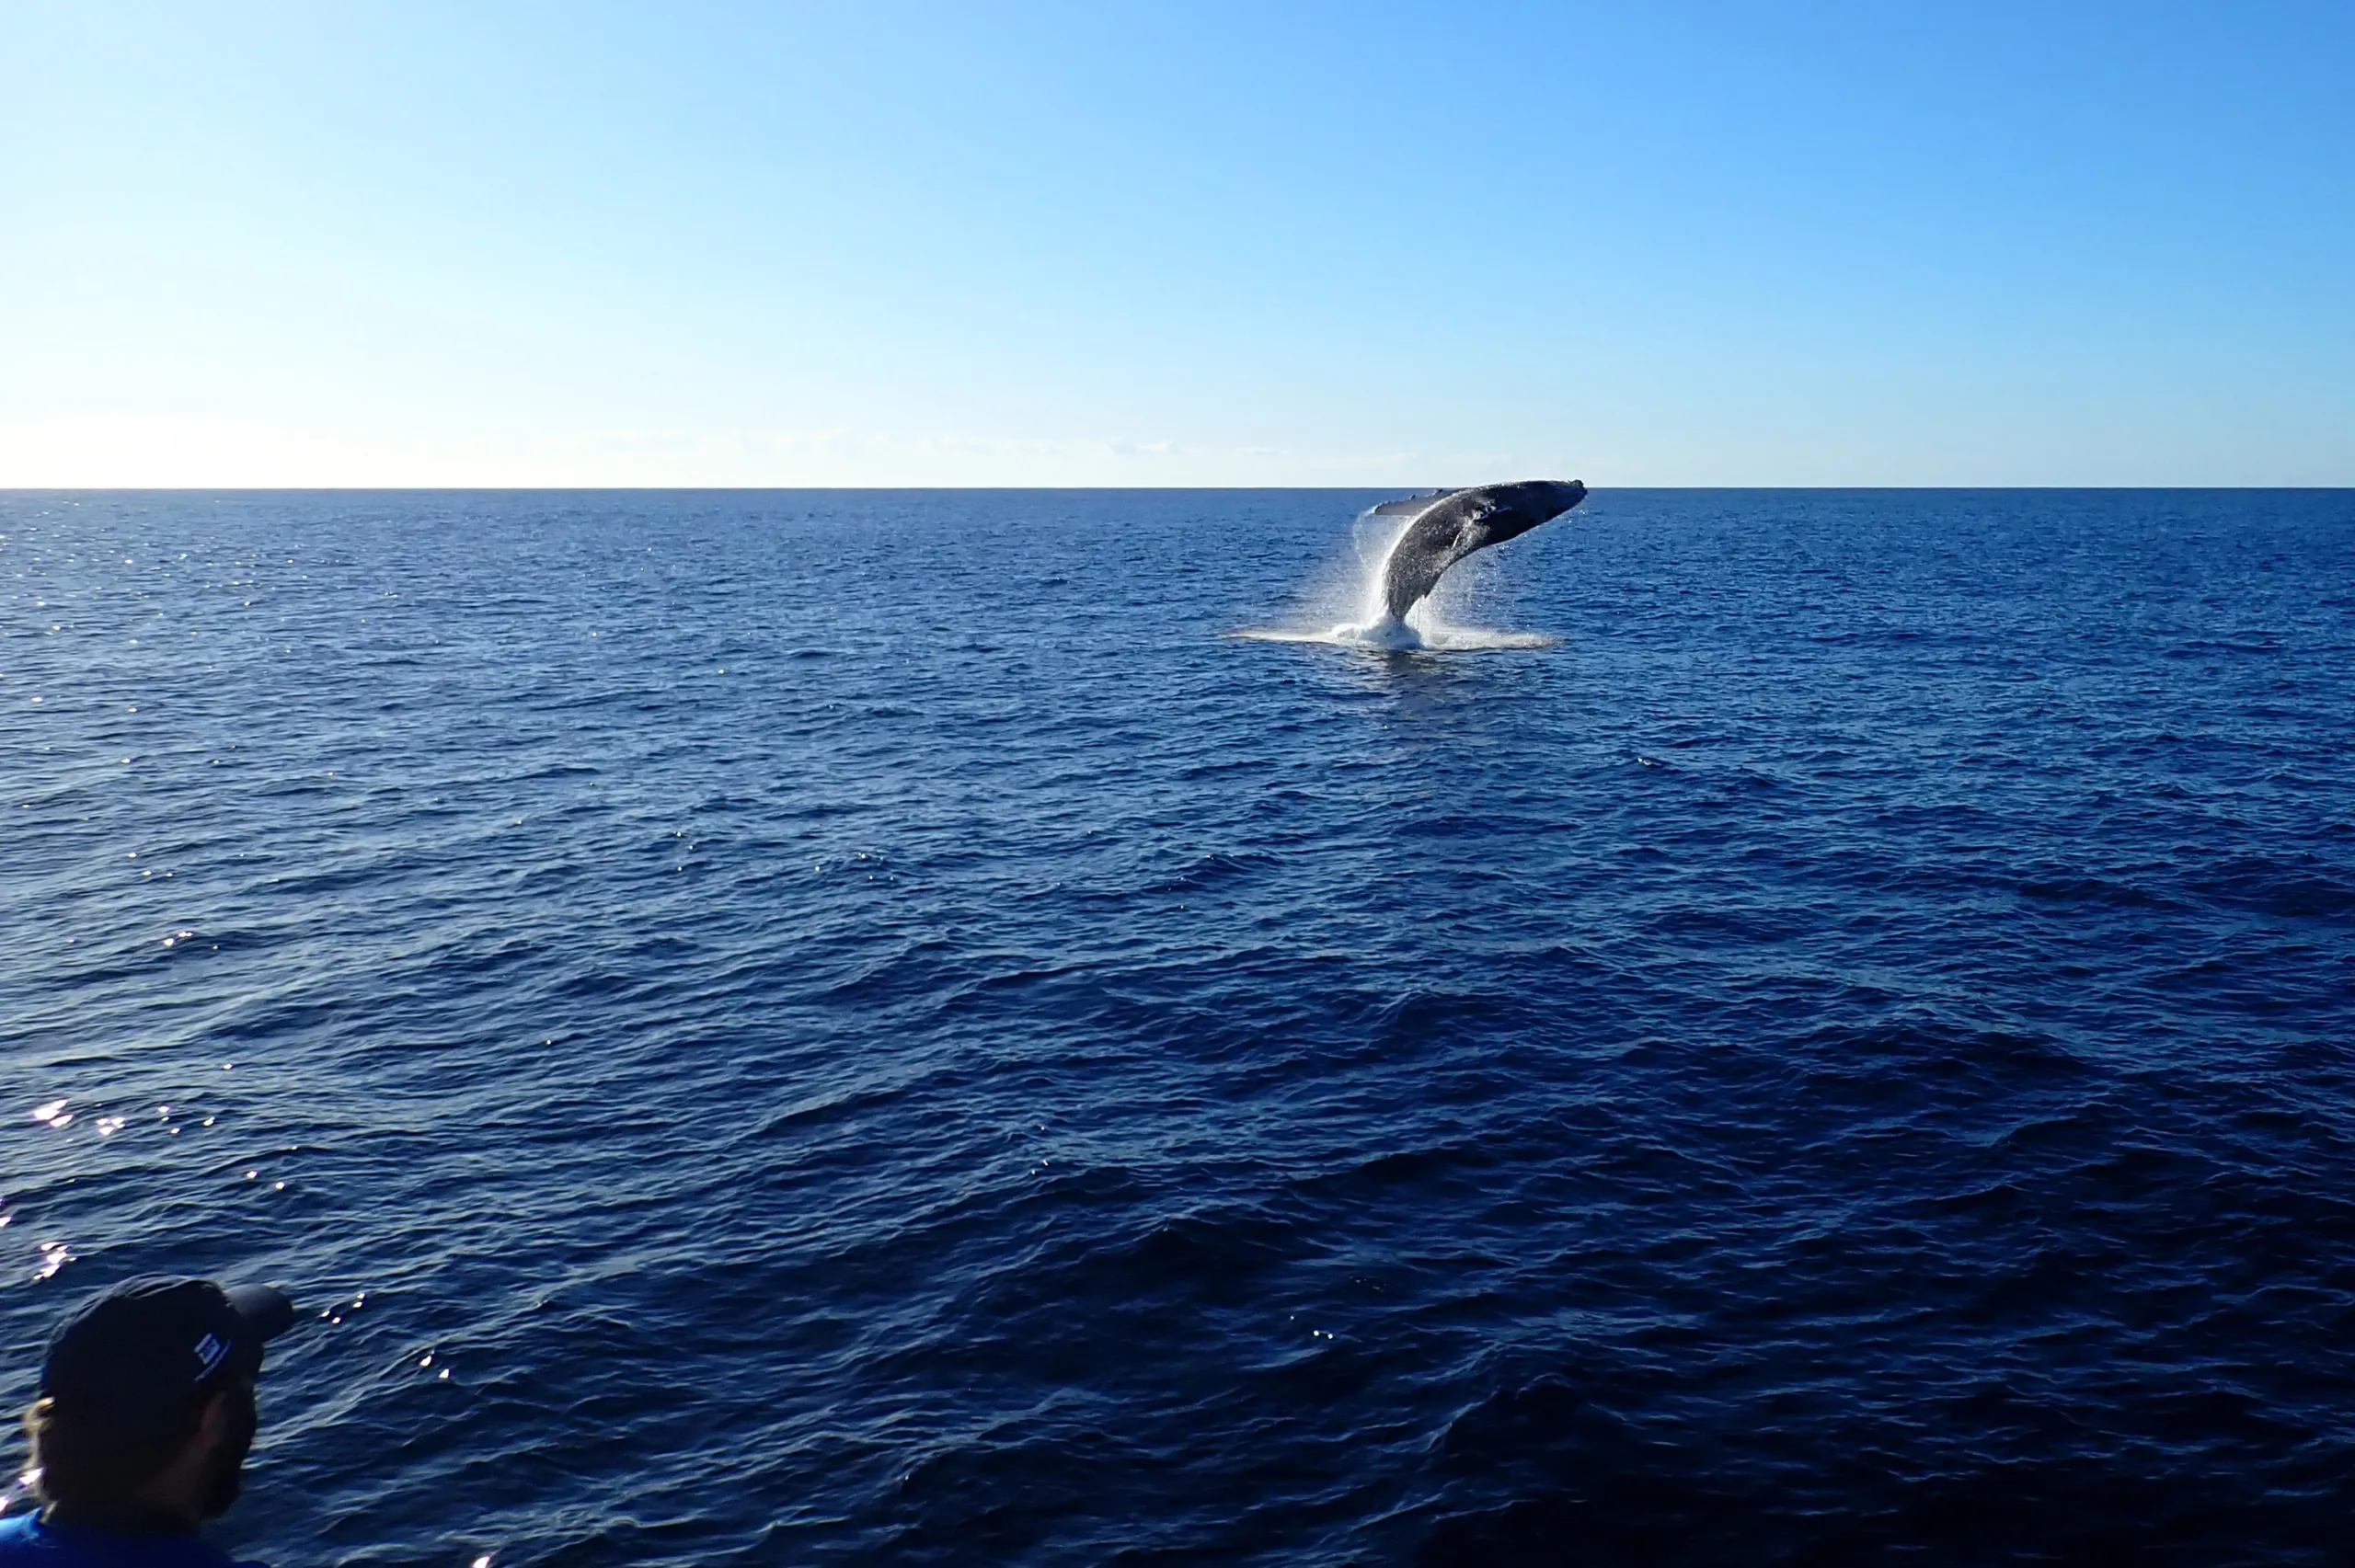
84,1464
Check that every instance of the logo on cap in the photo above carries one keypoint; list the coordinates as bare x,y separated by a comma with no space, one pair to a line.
209,1351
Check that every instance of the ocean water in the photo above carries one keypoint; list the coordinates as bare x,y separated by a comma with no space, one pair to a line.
860,1027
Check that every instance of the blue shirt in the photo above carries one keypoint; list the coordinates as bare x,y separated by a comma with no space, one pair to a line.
26,1542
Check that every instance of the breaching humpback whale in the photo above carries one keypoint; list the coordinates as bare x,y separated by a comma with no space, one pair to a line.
1449,524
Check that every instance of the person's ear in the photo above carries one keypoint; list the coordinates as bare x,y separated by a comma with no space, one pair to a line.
213,1423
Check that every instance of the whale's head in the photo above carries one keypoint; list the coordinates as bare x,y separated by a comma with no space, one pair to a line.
1522,507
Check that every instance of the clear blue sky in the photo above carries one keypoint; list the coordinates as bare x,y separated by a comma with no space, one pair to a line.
1116,242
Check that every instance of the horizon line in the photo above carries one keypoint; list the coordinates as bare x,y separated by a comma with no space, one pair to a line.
946,490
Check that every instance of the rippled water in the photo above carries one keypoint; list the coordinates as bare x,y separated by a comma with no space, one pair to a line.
861,1028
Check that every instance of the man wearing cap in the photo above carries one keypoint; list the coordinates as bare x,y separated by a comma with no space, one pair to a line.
140,1434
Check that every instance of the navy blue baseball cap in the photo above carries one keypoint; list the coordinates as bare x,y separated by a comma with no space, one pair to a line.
139,1355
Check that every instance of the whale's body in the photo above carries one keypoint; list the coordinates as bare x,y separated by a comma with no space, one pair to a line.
1448,525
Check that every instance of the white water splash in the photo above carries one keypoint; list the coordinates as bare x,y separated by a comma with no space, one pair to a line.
1402,638
1357,588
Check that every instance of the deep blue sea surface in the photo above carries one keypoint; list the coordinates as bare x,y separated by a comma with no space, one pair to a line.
863,1028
